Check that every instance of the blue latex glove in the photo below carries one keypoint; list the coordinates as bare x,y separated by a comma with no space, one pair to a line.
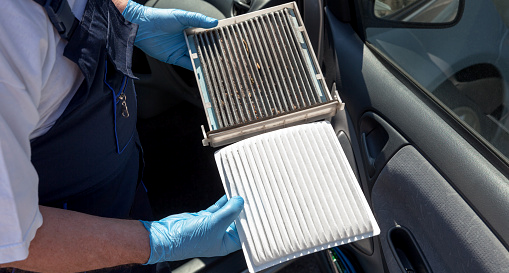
208,233
160,32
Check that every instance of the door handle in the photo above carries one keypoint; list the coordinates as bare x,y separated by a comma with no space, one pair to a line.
406,251
379,141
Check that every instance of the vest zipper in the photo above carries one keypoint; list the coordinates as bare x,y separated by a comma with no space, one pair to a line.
123,98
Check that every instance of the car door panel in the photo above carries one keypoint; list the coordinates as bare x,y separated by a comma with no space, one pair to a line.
450,234
449,190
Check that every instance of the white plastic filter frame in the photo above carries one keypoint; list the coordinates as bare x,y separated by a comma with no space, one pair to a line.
301,195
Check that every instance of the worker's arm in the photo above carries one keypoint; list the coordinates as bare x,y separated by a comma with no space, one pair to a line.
120,4
70,241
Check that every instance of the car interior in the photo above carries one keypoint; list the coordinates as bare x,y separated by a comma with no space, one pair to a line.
423,129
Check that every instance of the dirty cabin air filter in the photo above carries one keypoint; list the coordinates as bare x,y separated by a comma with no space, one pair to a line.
257,73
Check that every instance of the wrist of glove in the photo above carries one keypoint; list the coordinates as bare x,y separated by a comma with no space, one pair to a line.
160,31
207,233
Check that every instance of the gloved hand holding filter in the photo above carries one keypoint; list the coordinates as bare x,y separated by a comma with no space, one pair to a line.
207,233
160,31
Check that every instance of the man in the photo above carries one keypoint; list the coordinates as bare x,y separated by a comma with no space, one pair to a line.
69,151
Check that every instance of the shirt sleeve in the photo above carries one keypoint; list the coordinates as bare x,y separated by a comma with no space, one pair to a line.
23,53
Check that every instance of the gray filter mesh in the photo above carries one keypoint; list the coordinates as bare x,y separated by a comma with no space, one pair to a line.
257,68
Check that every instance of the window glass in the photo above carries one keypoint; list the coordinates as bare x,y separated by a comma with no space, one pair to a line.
417,11
384,8
465,66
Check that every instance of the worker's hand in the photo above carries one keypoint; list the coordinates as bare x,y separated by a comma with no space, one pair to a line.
207,233
160,32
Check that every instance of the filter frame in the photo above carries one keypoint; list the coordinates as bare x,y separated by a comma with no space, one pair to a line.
216,136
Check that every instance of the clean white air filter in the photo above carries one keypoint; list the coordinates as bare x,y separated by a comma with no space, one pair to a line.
300,193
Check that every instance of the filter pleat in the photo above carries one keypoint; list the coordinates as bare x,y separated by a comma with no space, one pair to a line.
259,94
317,167
279,68
305,182
339,217
210,80
341,161
301,177
260,215
218,70
244,215
229,100
271,201
260,196
350,216
227,109
260,67
271,66
308,87
300,193
301,44
254,61
256,234
316,173
282,58
247,75
280,201
289,67
323,191
234,95
340,176
295,196
294,227
257,218
240,74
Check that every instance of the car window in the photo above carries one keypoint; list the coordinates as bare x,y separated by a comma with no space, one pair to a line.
464,65
420,11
